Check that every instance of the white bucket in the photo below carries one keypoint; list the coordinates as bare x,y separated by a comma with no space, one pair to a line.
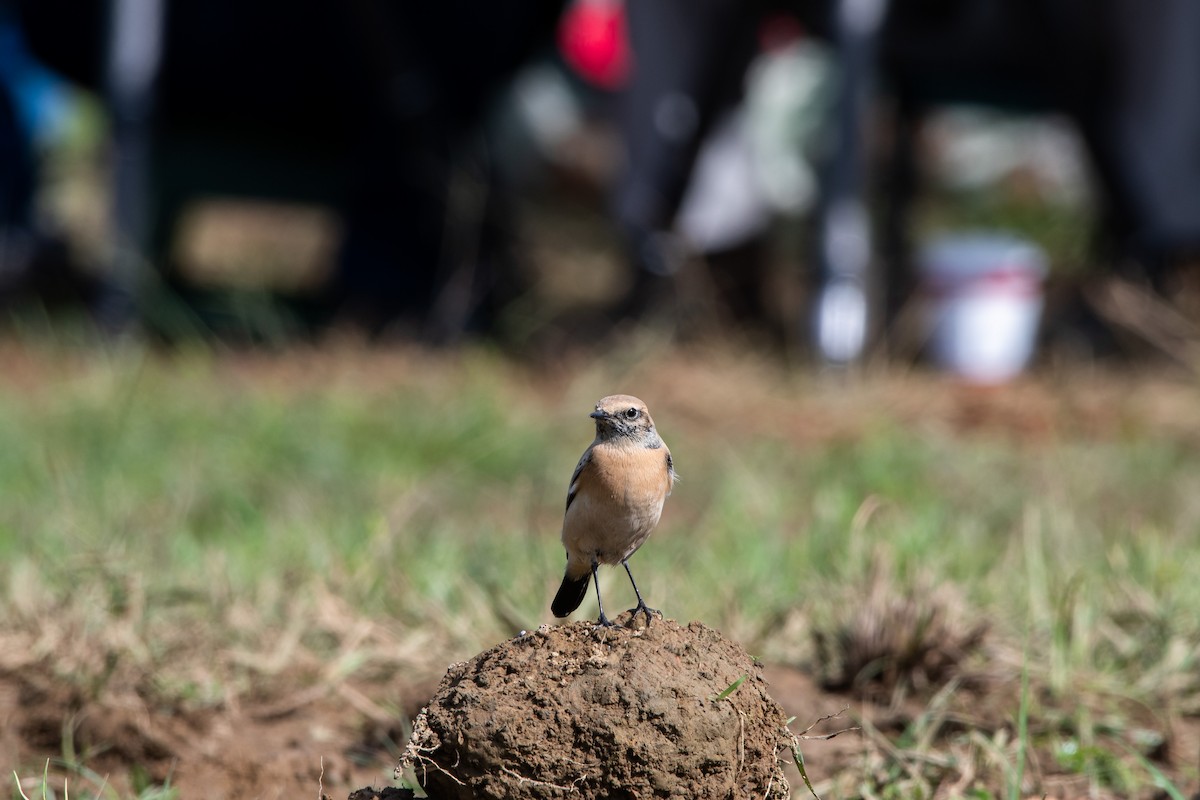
983,303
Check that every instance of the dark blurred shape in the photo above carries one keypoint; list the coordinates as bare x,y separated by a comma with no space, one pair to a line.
367,106
689,57
1123,71
35,263
386,793
16,179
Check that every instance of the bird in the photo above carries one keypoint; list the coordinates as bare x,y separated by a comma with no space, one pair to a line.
614,501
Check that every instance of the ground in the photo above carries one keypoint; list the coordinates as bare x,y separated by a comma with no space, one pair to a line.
307,703
296,742
304,740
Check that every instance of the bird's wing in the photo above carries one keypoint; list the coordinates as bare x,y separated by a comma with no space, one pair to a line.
573,489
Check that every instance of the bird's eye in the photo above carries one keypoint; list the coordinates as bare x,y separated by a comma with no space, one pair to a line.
631,413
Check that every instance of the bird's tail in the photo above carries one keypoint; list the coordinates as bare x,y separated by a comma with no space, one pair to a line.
570,594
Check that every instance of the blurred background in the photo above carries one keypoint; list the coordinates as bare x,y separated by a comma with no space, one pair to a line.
842,178
303,306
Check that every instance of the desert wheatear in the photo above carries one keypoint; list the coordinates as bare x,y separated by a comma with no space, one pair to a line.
614,501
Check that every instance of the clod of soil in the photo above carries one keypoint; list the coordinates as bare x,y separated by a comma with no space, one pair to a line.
625,712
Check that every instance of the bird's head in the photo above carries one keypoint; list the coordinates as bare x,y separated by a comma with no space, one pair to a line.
622,415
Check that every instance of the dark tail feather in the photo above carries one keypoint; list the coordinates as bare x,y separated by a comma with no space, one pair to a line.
570,595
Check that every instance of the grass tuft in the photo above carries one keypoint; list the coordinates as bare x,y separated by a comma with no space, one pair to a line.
885,638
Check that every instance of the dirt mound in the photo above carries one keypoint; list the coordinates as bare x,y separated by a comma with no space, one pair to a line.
627,712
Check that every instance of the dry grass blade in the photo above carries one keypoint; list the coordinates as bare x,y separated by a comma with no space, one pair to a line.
804,734
1151,318
20,789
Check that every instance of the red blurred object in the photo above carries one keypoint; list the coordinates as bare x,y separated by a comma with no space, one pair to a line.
593,41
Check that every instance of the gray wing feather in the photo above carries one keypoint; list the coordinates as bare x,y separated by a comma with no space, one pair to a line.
573,489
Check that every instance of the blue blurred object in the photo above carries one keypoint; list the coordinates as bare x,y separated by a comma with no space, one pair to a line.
38,97
22,87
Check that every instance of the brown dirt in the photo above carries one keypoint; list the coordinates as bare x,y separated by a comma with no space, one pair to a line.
293,741
302,739
625,712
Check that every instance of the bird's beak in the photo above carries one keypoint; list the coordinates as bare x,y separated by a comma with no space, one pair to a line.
597,414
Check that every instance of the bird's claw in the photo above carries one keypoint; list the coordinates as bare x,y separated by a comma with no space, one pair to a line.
642,608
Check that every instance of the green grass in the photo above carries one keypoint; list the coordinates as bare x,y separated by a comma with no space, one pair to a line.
201,500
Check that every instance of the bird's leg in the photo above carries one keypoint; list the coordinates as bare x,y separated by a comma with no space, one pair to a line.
604,622
641,606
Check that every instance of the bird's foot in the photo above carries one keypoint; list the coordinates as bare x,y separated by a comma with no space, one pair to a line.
642,608
604,622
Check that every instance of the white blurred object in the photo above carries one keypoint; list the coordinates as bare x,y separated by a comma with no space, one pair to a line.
787,101
842,311
544,102
753,163
983,303
724,205
973,148
842,321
